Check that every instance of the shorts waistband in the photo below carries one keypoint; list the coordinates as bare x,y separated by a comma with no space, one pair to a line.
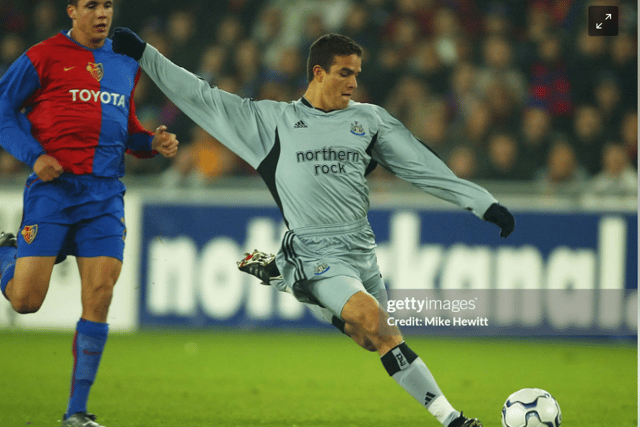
333,229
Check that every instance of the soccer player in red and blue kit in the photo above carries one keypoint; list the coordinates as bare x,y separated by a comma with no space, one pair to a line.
67,111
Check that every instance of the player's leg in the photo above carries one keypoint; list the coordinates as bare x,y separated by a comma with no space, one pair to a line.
26,262
8,252
99,248
25,272
98,276
263,266
28,282
363,313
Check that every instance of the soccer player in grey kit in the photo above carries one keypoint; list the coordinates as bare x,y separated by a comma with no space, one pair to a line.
313,154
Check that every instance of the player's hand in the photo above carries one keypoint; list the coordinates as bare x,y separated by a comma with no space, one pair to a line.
500,216
126,42
47,168
164,142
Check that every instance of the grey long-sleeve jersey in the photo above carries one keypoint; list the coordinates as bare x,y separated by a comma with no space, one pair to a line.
313,162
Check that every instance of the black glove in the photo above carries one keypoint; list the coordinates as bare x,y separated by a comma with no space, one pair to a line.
126,42
500,216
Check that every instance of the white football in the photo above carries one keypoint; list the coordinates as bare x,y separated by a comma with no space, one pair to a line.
531,407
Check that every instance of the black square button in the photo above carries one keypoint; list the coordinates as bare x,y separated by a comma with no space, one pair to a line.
603,20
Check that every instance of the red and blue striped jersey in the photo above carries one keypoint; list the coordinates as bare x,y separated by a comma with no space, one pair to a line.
75,104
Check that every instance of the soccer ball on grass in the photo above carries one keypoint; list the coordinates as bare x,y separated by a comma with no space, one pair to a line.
531,407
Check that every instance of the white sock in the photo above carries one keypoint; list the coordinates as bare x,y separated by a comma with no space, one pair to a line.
411,373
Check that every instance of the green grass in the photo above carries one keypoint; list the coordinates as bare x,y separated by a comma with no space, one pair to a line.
224,378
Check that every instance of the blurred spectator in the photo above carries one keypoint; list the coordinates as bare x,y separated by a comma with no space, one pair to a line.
408,95
463,161
248,68
467,13
498,68
200,162
275,92
213,63
359,26
504,104
229,83
429,124
426,63
539,21
12,45
519,68
404,38
618,177
9,166
361,94
535,138
267,31
447,32
43,22
14,18
314,28
478,120
380,11
629,136
549,84
334,13
588,136
230,32
422,10
585,64
504,162
563,172
289,70
383,73
497,21
296,13
608,99
181,30
461,91
624,65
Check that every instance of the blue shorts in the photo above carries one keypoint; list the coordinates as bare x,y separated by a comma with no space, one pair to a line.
79,215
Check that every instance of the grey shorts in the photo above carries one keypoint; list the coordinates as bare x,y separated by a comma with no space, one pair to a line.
328,265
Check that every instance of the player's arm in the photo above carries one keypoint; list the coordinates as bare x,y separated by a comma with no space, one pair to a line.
246,127
403,154
17,85
142,143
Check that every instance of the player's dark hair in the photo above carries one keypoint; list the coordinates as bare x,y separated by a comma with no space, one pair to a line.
73,3
323,51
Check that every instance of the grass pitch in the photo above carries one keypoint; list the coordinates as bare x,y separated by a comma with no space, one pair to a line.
229,378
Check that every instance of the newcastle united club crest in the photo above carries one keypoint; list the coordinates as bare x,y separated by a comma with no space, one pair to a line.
357,129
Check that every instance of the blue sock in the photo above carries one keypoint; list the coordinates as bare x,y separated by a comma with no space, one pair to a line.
88,344
7,266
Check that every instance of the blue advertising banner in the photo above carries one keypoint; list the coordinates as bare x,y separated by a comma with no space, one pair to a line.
189,275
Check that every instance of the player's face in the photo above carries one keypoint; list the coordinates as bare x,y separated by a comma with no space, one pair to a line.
91,21
338,84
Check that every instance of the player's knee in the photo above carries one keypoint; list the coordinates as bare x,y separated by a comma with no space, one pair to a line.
368,345
102,292
25,304
359,338
368,321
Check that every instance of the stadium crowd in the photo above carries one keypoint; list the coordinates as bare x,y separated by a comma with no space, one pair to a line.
501,90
